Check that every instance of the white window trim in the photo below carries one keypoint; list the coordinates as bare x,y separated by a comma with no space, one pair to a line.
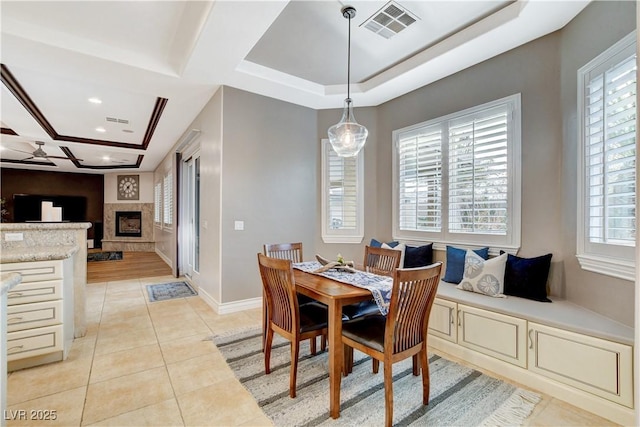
596,257
342,236
509,243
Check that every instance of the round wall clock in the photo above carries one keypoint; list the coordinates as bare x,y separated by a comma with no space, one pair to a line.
128,187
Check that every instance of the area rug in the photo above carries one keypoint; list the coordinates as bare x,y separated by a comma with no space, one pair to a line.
165,291
104,256
460,396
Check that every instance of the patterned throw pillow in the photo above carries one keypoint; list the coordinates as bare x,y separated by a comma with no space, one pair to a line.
484,276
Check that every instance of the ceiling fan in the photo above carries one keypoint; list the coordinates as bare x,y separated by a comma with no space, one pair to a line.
39,153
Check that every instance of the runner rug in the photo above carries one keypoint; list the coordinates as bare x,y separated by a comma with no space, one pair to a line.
460,396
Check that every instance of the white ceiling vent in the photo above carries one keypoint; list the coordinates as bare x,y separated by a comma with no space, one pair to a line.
390,20
115,120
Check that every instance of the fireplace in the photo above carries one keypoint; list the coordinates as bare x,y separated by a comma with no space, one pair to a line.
129,223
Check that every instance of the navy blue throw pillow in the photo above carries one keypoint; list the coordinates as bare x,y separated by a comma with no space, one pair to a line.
455,263
527,277
419,256
377,244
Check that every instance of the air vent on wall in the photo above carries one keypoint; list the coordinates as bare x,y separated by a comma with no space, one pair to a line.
390,20
115,120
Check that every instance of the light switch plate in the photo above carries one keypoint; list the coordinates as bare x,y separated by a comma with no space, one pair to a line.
238,225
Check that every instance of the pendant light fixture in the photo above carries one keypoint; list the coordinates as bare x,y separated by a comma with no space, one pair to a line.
347,137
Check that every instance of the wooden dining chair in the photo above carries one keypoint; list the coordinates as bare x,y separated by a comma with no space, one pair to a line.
400,334
292,252
381,261
285,316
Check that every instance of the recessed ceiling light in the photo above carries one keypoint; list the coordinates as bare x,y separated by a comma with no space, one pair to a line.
95,100
127,130
100,129
106,158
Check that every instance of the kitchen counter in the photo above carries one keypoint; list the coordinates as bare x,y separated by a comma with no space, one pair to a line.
37,253
8,281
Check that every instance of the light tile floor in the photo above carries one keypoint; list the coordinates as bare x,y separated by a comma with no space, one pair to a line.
150,364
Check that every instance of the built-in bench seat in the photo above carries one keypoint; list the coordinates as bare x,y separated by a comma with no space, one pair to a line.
557,348
559,313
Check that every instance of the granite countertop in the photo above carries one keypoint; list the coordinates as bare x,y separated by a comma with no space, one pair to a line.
15,226
8,281
37,253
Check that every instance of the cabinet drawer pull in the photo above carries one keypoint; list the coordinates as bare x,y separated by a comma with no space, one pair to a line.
12,350
459,319
14,294
530,339
451,319
14,320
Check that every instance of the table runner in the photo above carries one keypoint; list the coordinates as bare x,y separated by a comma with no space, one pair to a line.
379,286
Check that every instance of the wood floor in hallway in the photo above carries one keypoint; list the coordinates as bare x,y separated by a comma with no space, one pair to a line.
133,265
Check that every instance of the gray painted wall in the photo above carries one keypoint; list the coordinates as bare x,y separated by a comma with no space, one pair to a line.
584,38
269,163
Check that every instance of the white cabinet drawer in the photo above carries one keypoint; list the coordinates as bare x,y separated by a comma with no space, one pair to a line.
442,320
35,271
34,342
497,335
601,367
35,292
35,315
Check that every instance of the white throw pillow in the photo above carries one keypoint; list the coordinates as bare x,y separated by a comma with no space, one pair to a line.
484,276
399,247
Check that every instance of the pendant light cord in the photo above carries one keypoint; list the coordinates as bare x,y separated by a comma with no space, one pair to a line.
349,61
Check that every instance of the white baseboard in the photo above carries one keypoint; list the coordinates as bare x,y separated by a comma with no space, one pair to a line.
583,400
230,307
164,258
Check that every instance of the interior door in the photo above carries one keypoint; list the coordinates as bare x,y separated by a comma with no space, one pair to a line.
190,235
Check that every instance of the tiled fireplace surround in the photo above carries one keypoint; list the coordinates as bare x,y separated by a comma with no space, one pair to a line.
111,242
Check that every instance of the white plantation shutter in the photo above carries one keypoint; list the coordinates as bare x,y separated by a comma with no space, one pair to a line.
610,154
478,184
168,199
420,179
157,204
607,182
457,178
342,197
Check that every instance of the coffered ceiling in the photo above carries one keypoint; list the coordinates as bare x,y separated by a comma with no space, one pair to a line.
113,85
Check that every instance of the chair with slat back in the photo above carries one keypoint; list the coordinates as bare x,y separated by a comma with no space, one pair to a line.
381,261
400,334
292,252
285,316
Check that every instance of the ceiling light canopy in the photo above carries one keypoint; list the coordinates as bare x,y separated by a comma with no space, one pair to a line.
347,137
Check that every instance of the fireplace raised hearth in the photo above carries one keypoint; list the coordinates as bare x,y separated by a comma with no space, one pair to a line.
129,223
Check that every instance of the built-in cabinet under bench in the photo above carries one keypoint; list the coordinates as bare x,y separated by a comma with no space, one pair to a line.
557,348
39,313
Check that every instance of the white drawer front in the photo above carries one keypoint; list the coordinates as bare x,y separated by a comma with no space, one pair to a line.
35,315
35,271
497,335
34,342
442,320
35,292
591,364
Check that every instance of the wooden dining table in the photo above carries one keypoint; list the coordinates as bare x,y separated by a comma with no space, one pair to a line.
335,295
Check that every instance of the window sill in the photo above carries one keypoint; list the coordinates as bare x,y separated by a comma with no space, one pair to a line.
342,239
608,266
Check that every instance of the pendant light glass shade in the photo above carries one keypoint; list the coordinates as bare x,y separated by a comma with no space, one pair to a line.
347,137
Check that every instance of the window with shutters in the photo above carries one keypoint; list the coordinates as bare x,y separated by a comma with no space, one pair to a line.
607,161
167,216
457,178
342,197
158,205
